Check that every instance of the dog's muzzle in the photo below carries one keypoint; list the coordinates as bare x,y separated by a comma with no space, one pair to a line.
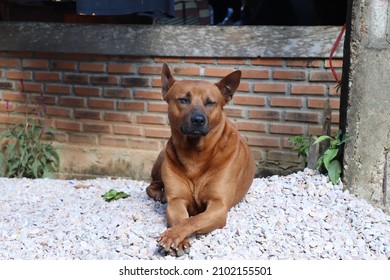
196,124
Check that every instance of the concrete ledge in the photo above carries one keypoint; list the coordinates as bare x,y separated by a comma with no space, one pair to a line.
166,40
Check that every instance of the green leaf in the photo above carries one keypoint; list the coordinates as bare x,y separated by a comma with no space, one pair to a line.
35,166
114,195
329,155
322,138
320,162
334,171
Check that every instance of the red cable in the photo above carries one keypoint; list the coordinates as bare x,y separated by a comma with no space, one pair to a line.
334,48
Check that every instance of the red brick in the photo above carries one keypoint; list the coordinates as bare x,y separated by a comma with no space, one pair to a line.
149,70
72,102
286,129
117,93
147,94
267,61
11,119
58,89
249,100
286,102
6,106
68,125
30,87
232,61
167,59
76,78
186,71
47,76
9,62
26,108
294,75
13,96
128,130
101,104
151,119
322,76
121,68
64,65
96,127
317,130
83,139
320,102
157,107
104,80
92,67
47,99
58,112
19,54
142,144
263,141
157,132
314,130
87,91
243,87
304,63
335,117
35,63
156,83
283,156
250,126
217,72
308,89
117,117
270,87
113,141
136,82
336,63
131,105
16,74
233,112
301,117
264,114
87,114
199,60
254,74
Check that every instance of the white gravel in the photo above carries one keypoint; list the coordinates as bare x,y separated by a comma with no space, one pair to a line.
300,216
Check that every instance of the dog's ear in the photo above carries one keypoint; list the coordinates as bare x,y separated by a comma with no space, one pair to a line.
229,85
167,79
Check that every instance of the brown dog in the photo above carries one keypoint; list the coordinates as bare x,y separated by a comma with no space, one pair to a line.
206,167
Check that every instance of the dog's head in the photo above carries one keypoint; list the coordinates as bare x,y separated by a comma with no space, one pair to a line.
196,107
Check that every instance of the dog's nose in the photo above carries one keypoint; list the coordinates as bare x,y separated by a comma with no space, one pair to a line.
198,119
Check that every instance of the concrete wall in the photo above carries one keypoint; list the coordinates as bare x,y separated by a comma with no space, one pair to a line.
368,116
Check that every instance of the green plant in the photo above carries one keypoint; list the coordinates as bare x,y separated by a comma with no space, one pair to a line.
300,144
26,151
114,195
329,158
25,154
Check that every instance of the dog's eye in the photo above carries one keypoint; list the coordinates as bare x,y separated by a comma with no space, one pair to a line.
184,100
210,103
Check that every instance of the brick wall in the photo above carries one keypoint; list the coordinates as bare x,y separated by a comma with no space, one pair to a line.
114,103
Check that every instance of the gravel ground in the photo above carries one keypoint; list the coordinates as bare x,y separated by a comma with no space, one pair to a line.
300,216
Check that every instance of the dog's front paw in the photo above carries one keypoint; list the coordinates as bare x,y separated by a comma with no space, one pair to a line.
173,243
157,193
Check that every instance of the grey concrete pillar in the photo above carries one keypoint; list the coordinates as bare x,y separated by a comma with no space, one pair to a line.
368,113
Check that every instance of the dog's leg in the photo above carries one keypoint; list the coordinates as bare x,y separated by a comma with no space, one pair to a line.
176,237
177,212
156,188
